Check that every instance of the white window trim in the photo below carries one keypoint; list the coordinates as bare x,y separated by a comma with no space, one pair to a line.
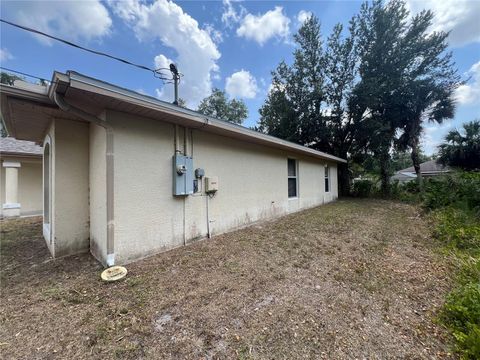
296,177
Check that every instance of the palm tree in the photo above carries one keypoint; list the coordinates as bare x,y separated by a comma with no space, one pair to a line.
462,149
426,102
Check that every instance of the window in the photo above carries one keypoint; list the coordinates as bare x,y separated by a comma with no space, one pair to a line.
292,178
327,178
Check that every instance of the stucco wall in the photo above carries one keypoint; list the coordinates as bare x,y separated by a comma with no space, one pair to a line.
252,186
30,188
2,186
29,184
98,200
147,217
70,187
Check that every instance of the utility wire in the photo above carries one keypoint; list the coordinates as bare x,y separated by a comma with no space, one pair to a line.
156,72
24,74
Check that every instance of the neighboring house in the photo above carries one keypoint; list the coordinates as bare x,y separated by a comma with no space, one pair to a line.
127,175
427,169
20,177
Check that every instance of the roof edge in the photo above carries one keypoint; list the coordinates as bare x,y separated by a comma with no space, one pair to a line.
20,154
86,83
8,91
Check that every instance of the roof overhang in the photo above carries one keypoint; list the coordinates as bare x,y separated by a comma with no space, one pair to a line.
26,113
95,96
4,154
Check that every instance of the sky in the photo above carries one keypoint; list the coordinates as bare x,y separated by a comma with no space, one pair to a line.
230,45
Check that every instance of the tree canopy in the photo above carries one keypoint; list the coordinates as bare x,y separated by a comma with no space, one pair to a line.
9,79
367,90
217,105
462,148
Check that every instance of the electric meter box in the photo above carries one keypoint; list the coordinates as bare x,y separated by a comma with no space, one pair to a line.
211,184
182,175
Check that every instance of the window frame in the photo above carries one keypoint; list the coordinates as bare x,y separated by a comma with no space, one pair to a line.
327,183
293,177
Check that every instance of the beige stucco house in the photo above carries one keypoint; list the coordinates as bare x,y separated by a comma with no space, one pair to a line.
20,178
126,175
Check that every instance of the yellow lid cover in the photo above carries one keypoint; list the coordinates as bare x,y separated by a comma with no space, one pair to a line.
114,273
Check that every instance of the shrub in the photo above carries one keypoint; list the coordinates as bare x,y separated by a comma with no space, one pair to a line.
457,228
407,192
363,188
460,190
461,314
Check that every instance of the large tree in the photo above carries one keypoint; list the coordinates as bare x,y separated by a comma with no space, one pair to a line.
308,100
217,105
354,96
381,29
430,81
293,108
406,78
462,149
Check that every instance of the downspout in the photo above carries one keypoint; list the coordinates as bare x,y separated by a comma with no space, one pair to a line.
65,106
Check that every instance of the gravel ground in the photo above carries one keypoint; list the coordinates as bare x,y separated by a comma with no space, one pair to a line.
350,280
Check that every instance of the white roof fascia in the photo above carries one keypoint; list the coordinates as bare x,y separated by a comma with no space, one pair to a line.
81,82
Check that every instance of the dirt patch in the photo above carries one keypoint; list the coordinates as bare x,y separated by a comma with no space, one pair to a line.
353,279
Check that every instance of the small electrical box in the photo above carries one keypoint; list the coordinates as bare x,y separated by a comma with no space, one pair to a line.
211,184
199,173
182,175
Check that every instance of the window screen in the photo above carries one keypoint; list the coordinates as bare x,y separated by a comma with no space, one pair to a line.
292,178
327,179
292,167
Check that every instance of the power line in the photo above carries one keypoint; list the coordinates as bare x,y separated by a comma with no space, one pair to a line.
28,75
156,72
25,74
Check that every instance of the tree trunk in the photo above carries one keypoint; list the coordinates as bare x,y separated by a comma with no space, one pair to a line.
343,179
384,173
416,163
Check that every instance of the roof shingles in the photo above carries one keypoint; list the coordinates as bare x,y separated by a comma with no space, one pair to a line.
9,145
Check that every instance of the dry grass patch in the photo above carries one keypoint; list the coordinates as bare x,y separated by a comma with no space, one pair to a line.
353,279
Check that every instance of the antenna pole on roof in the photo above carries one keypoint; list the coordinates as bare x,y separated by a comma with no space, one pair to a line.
176,78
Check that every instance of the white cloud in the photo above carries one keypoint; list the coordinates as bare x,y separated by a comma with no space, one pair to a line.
274,23
469,94
161,61
459,17
433,136
73,20
241,84
303,16
231,15
196,52
5,55
216,35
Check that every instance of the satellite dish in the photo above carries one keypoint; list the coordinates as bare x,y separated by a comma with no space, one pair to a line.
114,273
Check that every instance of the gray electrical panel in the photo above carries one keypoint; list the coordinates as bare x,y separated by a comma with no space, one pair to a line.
182,175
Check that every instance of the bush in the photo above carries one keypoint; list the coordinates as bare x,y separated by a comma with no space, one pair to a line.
460,190
457,228
363,188
461,314
407,192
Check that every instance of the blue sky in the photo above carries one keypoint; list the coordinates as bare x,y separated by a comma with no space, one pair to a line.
232,45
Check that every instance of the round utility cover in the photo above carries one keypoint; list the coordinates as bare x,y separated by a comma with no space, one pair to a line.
114,273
